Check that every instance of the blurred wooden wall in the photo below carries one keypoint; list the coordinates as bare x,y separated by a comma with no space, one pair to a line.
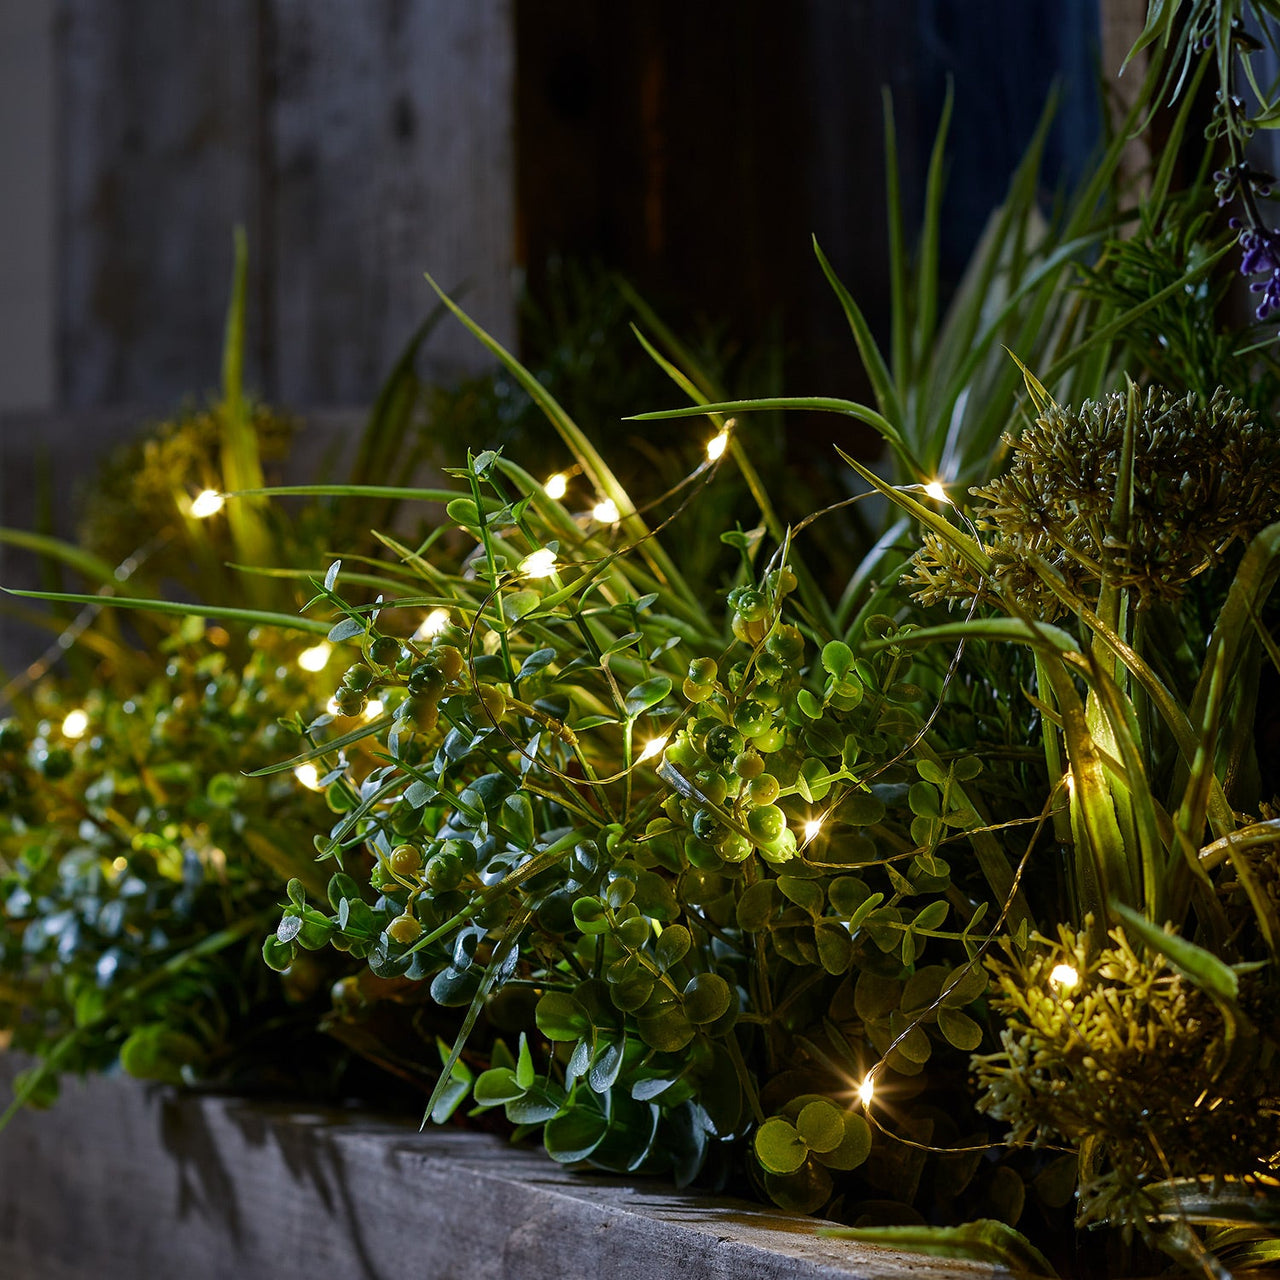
695,145
360,144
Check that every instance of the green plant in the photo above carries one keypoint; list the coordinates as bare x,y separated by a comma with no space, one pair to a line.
735,877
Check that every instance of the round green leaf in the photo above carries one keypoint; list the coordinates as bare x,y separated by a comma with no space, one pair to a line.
706,997
779,1146
574,1135
835,947
959,1028
666,1029
496,1086
560,1017
278,955
672,946
631,993
854,1147
862,809
821,1125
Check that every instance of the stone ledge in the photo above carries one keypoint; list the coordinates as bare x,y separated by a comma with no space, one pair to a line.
123,1181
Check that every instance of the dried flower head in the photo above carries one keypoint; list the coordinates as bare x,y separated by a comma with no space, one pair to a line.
1132,1060
1203,476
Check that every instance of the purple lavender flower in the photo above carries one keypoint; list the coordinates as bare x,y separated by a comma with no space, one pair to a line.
1262,257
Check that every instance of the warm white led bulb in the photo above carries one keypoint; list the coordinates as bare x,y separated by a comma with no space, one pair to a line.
332,707
207,503
432,625
308,775
935,490
866,1090
75,724
314,659
557,486
717,445
374,708
654,747
539,564
1064,977
606,512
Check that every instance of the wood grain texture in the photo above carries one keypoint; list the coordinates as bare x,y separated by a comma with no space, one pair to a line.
359,144
158,162
123,1181
391,156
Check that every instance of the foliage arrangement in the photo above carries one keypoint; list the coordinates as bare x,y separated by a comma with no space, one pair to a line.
944,902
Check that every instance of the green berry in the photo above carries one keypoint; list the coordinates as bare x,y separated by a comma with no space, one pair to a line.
350,702
451,661
384,651
786,643
702,671
713,784
54,763
763,789
723,742
751,717
405,860
766,823
706,825
444,872
697,692
751,604
404,930
781,582
427,678
783,849
748,764
358,676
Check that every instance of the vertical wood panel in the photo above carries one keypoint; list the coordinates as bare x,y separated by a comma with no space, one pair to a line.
361,144
391,157
159,110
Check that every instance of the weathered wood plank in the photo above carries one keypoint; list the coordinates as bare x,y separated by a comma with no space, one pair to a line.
159,111
391,156
123,1181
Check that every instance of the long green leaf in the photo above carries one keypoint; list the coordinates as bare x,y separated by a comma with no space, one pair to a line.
592,464
250,617
984,1240
1200,966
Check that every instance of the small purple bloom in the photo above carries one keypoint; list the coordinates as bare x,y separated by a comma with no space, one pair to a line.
1261,257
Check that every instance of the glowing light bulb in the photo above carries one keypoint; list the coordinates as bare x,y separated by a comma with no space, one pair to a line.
606,512
206,503
717,445
1069,779
557,486
654,747
935,490
314,659
432,625
332,707
539,564
867,1090
374,709
75,724
308,775
811,828
1064,977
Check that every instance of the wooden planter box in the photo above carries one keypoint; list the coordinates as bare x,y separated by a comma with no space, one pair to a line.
126,1181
